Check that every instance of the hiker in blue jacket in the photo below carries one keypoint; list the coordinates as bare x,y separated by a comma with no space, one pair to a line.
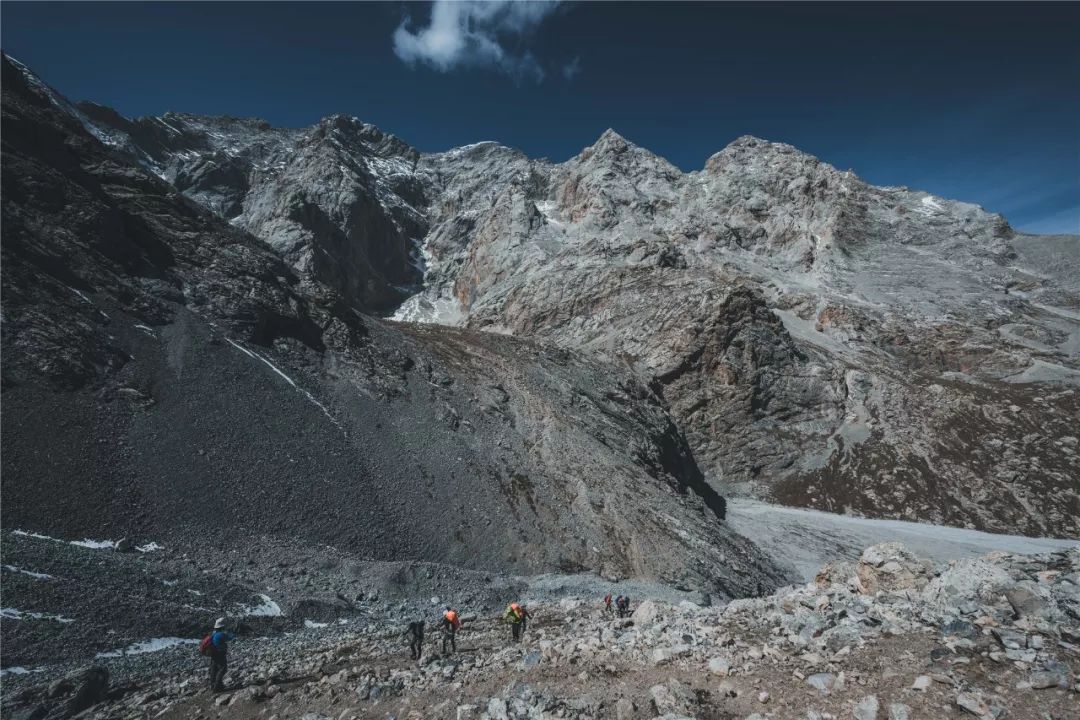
218,652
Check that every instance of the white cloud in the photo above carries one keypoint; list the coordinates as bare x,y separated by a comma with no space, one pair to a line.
572,69
470,32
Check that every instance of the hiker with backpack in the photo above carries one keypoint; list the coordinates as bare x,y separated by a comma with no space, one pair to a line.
518,616
622,603
216,647
450,625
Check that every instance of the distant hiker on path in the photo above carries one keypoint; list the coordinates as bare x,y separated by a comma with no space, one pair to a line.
416,638
518,616
608,609
216,647
622,603
450,625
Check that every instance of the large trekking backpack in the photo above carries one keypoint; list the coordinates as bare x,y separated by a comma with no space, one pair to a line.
206,646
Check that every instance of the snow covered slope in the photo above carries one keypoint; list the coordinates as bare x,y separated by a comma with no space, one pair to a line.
805,540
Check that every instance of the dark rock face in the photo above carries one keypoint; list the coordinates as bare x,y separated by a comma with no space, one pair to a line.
336,201
167,376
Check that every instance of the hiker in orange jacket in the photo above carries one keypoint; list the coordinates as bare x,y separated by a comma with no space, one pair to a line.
449,625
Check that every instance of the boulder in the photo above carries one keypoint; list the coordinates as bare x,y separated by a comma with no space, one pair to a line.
899,711
968,580
1025,603
662,655
60,687
93,688
1049,679
496,709
890,567
978,704
867,708
646,613
671,698
719,666
822,682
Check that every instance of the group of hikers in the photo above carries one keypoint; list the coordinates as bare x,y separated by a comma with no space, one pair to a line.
516,616
621,605
216,644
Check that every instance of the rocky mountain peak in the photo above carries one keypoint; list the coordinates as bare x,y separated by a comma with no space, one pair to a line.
611,148
749,151
610,142
352,131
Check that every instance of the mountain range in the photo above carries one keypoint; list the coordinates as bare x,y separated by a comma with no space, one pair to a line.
257,346
820,341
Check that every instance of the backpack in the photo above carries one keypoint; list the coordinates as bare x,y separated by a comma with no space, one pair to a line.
206,646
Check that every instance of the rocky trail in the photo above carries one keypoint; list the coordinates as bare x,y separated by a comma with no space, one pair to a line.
888,636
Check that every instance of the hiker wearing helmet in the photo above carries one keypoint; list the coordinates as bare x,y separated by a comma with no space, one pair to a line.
450,625
518,616
216,647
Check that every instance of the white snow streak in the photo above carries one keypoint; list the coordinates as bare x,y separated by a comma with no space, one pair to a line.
168,126
148,646
95,544
268,608
31,573
88,543
288,379
146,329
85,299
15,614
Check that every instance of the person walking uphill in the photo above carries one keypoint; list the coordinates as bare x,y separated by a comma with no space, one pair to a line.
216,647
450,625
518,616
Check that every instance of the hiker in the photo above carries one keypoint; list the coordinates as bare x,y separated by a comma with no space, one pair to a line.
622,603
216,647
450,625
518,616
416,638
608,609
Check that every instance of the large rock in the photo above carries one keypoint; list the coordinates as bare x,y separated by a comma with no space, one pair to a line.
978,579
1027,603
663,655
646,613
93,689
890,567
866,709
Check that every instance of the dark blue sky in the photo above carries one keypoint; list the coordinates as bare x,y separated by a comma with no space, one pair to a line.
979,102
